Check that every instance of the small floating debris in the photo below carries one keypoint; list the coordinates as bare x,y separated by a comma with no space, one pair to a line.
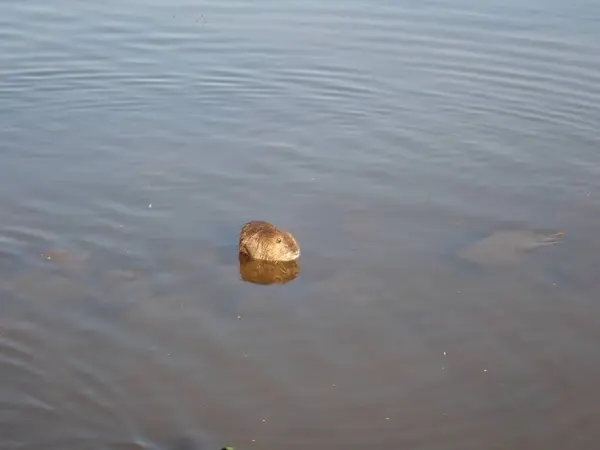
66,258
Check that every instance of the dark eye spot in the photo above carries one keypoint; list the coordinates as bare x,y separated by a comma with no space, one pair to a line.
279,240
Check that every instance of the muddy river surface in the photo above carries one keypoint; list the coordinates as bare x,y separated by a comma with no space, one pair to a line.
137,137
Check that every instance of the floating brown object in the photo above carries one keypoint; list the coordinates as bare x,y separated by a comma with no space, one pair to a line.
265,242
508,246
268,272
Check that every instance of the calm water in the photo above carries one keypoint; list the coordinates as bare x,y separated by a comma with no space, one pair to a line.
136,137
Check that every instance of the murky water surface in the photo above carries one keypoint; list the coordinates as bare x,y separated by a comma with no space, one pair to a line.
136,137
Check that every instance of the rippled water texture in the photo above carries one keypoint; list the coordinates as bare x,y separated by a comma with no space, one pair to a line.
137,137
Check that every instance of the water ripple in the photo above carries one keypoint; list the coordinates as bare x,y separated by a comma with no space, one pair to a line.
137,136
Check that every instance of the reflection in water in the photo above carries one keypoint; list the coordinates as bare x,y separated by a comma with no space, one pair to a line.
268,272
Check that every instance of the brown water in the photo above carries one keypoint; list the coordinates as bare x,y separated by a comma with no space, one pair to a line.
136,137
